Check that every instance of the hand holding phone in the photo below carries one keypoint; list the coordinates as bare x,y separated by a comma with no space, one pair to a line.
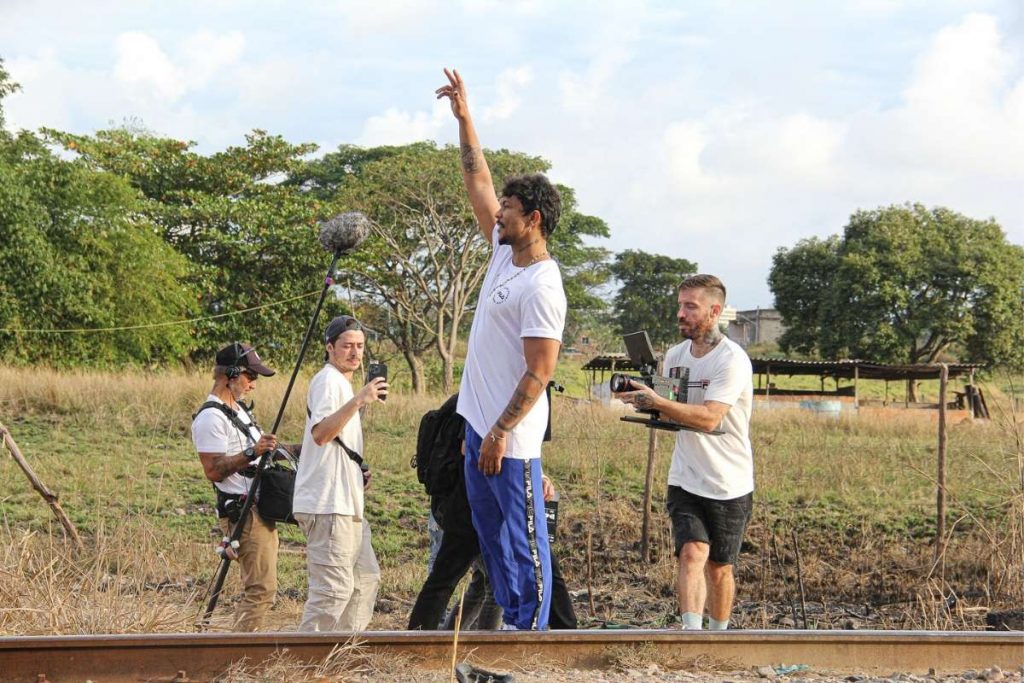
374,370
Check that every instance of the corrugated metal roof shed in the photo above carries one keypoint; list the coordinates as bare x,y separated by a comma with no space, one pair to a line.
862,369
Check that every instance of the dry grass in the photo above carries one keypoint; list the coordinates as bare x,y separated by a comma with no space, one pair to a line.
856,496
346,662
45,590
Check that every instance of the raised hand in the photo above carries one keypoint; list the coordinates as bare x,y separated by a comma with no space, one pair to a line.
455,91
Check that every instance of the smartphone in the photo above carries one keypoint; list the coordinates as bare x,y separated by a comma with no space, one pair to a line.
376,369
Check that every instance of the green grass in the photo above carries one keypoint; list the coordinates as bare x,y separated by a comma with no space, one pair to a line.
116,449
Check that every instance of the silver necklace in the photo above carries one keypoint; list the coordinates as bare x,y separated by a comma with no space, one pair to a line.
500,292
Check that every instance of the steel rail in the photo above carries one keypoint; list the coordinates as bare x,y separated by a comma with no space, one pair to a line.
201,656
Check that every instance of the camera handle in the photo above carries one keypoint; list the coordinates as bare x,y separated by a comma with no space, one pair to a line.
655,422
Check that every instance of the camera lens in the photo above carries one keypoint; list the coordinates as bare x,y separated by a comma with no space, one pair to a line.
619,383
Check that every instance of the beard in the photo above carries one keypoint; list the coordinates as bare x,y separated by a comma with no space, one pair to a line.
503,238
704,330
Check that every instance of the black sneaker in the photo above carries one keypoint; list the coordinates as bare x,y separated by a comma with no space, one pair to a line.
466,673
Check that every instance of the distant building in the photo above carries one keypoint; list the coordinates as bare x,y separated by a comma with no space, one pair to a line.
757,326
584,344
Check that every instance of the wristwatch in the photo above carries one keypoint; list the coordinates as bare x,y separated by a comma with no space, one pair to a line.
250,453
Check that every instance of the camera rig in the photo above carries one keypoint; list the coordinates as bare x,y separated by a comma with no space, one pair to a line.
674,388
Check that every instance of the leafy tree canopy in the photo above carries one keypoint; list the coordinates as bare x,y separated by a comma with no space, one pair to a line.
905,284
250,237
422,268
7,86
76,252
647,297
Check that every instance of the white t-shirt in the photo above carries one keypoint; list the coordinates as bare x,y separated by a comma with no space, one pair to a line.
328,481
719,467
213,432
514,303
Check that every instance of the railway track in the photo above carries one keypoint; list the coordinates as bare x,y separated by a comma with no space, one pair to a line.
200,657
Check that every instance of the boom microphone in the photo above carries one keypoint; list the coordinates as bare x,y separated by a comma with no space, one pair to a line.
343,232
337,235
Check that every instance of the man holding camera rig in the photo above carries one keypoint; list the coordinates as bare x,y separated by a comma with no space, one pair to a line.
328,503
229,443
711,479
513,349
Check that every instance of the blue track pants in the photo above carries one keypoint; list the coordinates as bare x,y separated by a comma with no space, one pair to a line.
508,514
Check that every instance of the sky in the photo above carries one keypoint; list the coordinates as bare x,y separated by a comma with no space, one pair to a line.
712,131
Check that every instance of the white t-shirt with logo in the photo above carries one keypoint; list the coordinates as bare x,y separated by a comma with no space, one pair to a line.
719,467
514,303
328,481
213,432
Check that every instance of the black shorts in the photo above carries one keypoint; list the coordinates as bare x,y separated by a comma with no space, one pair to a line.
719,523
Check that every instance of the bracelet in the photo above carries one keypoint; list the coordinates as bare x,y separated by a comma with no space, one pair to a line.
495,438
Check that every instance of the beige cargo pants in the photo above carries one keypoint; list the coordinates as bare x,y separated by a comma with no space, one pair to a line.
343,573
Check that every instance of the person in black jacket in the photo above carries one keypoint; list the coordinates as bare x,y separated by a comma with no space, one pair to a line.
460,550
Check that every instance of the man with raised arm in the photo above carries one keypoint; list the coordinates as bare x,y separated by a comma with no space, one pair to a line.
513,349
711,480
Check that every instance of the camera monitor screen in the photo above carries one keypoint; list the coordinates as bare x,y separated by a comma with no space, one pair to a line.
638,346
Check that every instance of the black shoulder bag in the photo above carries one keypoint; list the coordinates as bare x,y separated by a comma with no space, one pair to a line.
277,482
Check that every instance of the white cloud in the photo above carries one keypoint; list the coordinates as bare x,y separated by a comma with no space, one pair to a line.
510,86
710,131
206,54
146,69
399,127
685,142
385,16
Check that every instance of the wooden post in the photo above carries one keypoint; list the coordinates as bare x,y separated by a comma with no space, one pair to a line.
47,495
856,395
940,492
652,443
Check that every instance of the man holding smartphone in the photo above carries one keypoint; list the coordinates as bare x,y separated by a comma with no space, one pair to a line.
328,502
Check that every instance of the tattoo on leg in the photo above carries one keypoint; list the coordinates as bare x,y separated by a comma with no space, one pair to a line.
472,158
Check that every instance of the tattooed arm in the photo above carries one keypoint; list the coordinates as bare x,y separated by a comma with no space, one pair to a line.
475,174
703,416
220,466
541,357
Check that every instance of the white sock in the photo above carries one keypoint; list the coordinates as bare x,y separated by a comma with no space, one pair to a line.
691,621
716,625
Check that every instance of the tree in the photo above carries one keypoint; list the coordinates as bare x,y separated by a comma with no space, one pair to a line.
584,268
250,238
76,253
646,299
798,278
7,86
905,284
423,265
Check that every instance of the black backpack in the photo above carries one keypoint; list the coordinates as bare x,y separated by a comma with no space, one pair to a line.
439,448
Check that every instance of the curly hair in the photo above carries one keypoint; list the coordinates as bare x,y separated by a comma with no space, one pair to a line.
536,193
